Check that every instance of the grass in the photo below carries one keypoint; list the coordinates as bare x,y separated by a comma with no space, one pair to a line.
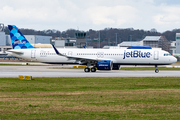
90,98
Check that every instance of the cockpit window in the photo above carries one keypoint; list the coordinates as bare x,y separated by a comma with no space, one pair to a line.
167,54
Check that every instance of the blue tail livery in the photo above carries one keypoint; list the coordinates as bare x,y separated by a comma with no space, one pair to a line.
17,38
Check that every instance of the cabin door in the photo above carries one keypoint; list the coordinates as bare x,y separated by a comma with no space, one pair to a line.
33,53
156,55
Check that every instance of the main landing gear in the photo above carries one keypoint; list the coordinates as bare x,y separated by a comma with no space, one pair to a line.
87,69
93,69
156,69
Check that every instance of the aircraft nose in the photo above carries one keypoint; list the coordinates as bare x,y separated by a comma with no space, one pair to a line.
174,60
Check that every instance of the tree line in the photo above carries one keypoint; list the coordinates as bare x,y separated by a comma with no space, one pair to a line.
108,36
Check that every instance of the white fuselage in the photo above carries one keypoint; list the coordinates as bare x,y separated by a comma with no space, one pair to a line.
118,56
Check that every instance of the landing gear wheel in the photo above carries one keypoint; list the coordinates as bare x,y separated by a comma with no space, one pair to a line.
93,69
86,69
156,71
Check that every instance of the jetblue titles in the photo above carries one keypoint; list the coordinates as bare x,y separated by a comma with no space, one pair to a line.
136,54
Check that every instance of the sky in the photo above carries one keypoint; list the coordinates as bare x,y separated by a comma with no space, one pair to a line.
83,15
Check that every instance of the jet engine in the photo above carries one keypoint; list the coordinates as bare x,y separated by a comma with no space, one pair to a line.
104,65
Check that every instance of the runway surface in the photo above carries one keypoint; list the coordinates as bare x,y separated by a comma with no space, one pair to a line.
49,71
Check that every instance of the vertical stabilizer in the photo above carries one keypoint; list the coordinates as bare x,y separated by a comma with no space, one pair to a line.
17,38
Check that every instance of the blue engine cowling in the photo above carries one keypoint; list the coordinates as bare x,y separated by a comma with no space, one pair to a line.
104,65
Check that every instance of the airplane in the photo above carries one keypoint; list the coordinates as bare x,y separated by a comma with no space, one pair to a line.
99,59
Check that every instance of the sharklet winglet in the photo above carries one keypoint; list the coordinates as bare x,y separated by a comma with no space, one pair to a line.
57,52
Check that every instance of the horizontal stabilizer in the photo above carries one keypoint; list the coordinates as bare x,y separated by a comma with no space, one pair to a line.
16,52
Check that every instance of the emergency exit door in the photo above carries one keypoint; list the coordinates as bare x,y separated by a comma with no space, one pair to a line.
69,53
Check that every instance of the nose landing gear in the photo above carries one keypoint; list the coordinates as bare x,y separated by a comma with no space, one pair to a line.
156,69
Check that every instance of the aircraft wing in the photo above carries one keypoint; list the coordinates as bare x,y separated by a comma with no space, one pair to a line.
79,59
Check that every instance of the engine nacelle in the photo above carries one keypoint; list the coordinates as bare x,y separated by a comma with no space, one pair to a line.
104,65
116,67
